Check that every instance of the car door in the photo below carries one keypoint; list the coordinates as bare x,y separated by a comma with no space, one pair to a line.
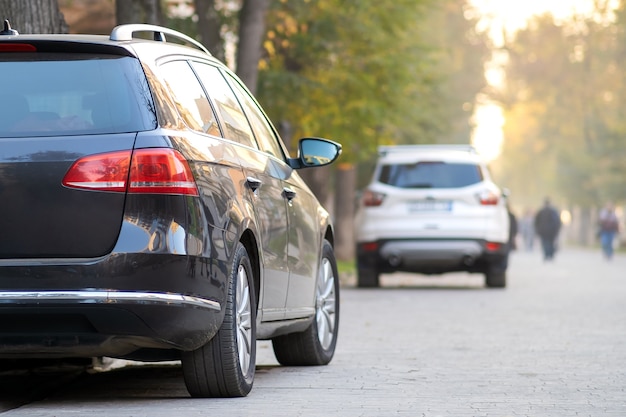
264,175
303,238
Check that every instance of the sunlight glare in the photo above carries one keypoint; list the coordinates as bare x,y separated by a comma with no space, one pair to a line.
487,136
501,18
507,16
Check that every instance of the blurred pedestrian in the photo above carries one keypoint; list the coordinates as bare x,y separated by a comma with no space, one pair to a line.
513,229
547,226
527,230
608,227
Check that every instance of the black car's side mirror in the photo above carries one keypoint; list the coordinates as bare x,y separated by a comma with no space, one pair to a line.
315,152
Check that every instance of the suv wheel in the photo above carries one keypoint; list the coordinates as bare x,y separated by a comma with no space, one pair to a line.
495,277
367,278
225,366
315,345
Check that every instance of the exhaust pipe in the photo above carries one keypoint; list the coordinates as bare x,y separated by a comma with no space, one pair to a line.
468,260
394,260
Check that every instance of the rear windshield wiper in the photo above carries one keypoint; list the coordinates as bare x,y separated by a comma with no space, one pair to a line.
418,185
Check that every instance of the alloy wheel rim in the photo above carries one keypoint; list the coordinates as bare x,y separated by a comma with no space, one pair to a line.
244,320
325,314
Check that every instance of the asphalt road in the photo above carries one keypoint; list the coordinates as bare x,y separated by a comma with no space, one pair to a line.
553,343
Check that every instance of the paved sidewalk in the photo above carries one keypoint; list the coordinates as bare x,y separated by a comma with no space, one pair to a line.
552,344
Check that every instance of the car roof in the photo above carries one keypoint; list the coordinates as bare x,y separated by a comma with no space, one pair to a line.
413,153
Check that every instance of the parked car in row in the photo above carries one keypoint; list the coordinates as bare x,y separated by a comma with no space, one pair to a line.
432,209
150,211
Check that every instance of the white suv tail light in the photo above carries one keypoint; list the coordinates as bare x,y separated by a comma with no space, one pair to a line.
372,199
488,198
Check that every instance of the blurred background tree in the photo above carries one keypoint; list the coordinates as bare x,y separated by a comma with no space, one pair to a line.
143,11
373,72
33,16
564,107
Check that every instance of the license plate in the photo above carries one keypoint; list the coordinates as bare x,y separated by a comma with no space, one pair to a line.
430,205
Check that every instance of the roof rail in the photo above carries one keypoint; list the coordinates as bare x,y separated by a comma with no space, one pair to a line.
125,33
384,150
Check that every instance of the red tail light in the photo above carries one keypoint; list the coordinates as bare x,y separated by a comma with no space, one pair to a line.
151,171
487,198
161,171
103,172
493,246
372,199
369,246
17,47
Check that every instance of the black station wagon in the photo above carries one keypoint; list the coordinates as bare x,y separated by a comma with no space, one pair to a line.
150,211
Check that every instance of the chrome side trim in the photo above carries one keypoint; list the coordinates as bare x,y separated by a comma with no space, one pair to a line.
105,297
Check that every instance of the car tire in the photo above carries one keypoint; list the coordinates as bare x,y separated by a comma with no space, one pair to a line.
367,278
315,345
495,277
225,366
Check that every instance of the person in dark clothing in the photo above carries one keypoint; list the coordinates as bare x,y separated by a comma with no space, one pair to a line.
547,226
512,235
513,229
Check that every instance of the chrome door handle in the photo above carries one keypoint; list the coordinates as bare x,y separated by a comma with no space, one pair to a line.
254,183
289,194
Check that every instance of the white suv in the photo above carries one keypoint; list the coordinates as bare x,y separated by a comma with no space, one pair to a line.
432,209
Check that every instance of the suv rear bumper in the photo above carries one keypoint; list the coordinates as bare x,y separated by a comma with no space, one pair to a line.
430,256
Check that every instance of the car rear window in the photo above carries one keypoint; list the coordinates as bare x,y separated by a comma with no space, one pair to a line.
430,175
48,94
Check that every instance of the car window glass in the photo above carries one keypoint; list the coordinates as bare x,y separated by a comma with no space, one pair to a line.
265,136
46,94
430,175
235,124
192,103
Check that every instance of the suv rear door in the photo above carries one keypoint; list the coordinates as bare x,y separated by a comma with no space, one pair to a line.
432,198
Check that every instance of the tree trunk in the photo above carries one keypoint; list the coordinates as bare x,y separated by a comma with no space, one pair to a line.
209,25
153,13
251,35
345,185
34,16
126,11
139,11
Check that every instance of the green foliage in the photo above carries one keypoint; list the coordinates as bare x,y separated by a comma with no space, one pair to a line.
346,267
185,25
369,72
564,101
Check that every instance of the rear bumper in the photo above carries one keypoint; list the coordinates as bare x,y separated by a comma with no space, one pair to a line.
162,286
430,256
414,254
104,297
112,306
